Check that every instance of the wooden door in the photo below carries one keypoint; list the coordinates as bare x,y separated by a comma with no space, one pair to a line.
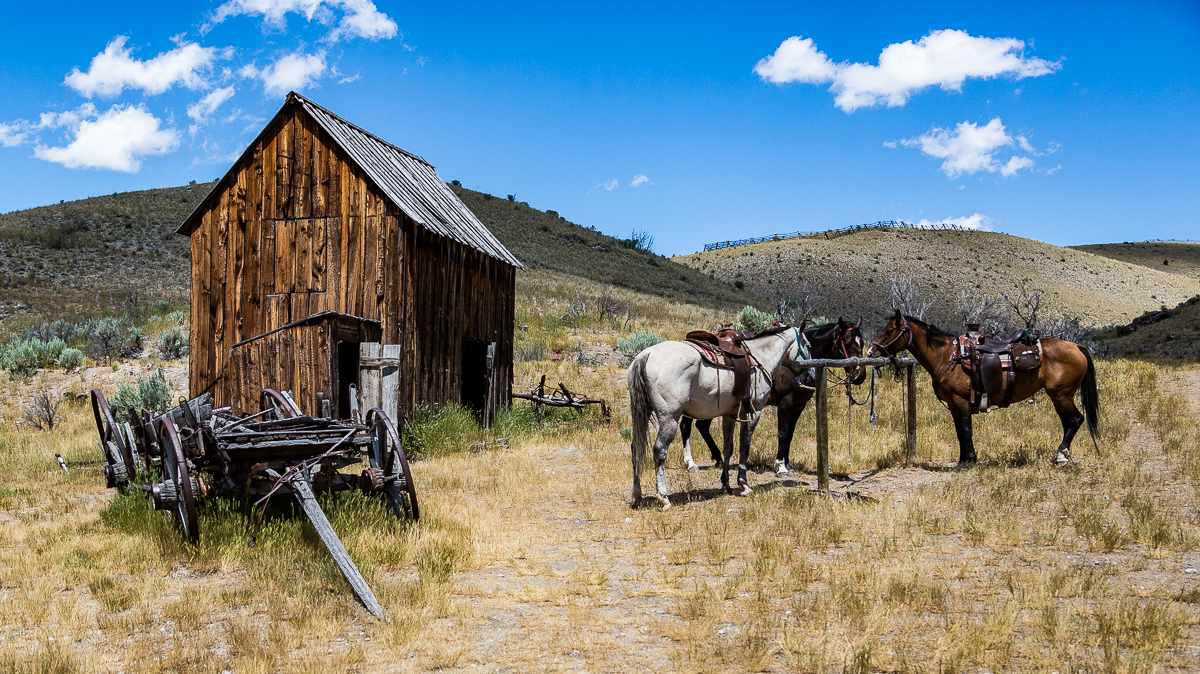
379,377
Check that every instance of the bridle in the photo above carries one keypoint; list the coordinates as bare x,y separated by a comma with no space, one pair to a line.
840,340
905,330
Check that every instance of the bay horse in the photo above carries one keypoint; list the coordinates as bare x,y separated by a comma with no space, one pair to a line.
671,380
791,389
1066,369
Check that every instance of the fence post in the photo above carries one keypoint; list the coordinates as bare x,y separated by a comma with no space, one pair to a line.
911,383
822,431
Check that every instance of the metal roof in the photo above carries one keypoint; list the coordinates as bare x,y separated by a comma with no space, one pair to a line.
409,182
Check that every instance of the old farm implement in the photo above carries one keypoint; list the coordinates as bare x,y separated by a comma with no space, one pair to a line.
198,452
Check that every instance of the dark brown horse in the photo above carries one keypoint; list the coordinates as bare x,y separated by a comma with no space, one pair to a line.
791,389
1066,369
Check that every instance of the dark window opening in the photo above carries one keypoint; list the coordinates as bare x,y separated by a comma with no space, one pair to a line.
474,375
347,374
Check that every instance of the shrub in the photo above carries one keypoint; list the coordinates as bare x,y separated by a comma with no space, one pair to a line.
754,320
108,339
70,359
177,317
136,339
172,345
636,343
20,358
451,429
153,393
42,411
48,352
160,307
528,352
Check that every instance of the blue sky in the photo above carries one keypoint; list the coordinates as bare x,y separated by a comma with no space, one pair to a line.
1065,123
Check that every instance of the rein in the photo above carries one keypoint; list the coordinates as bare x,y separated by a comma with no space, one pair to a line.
904,330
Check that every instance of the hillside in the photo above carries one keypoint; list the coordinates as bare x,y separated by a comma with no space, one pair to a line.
852,274
1175,257
1166,333
85,256
547,240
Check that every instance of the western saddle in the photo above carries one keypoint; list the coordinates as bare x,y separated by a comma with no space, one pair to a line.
987,360
726,350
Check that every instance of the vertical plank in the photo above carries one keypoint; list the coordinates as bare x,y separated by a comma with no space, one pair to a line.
301,166
332,258
237,252
252,242
302,260
267,285
320,171
369,380
270,189
389,382
822,413
283,168
285,256
220,267
318,247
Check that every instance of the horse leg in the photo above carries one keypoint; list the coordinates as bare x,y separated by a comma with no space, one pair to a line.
966,444
789,413
705,428
685,434
1071,419
666,433
728,422
744,455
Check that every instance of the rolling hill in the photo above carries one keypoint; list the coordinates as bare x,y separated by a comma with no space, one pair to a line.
84,257
852,274
1175,257
1166,333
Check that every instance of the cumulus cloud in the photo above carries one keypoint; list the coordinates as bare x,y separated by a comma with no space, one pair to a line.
359,18
976,221
640,179
292,72
115,140
969,148
115,69
14,133
202,109
945,58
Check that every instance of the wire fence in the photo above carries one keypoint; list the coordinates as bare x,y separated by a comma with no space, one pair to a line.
830,233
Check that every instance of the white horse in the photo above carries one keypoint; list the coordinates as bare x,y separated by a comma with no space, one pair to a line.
671,380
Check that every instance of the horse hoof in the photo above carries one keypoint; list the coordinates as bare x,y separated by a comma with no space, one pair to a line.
666,504
746,490
1062,459
693,468
964,466
781,469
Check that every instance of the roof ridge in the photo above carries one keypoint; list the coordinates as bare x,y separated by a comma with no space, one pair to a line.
308,101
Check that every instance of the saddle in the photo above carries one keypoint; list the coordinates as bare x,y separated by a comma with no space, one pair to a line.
992,364
726,350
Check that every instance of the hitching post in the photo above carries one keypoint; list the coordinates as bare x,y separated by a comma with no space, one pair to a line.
911,441
822,431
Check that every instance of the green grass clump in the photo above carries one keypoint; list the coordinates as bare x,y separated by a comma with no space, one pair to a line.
754,320
636,343
448,430
152,393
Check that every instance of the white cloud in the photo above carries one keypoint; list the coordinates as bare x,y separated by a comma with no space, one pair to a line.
608,185
115,69
969,148
292,72
1054,170
944,57
353,78
202,109
640,179
976,221
359,18
14,134
115,140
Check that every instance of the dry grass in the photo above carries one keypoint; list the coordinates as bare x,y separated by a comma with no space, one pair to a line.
852,273
530,558
1175,257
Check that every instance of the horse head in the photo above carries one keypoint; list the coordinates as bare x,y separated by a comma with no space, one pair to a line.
848,343
895,337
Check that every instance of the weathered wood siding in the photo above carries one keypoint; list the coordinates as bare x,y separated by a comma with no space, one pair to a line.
295,229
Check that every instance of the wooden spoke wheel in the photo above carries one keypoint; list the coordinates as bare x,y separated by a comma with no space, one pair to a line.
391,464
144,437
121,468
284,408
175,493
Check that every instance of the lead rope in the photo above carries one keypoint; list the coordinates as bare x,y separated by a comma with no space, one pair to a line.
851,404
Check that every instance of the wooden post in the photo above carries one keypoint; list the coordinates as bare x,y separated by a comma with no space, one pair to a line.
911,417
822,431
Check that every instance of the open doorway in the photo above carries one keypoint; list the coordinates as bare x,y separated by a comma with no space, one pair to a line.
475,375
347,374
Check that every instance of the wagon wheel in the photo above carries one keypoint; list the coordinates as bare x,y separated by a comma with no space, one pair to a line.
144,437
284,408
175,492
112,442
386,452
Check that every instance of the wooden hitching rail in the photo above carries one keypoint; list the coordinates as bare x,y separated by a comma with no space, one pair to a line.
822,366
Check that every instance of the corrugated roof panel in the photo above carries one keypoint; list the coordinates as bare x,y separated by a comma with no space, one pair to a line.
411,183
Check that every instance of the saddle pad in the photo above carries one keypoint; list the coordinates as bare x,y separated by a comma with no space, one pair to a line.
1021,357
711,355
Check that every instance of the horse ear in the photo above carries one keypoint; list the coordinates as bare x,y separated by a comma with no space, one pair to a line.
859,323
841,321
803,324
898,312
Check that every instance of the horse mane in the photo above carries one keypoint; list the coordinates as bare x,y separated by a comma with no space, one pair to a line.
772,330
931,331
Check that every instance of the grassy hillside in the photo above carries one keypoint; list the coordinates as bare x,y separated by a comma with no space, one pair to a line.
1176,257
1166,333
852,274
85,256
547,240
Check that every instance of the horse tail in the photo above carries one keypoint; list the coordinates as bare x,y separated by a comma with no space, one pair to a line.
639,410
1091,399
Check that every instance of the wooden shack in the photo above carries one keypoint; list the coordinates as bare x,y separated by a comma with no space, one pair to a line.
327,257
